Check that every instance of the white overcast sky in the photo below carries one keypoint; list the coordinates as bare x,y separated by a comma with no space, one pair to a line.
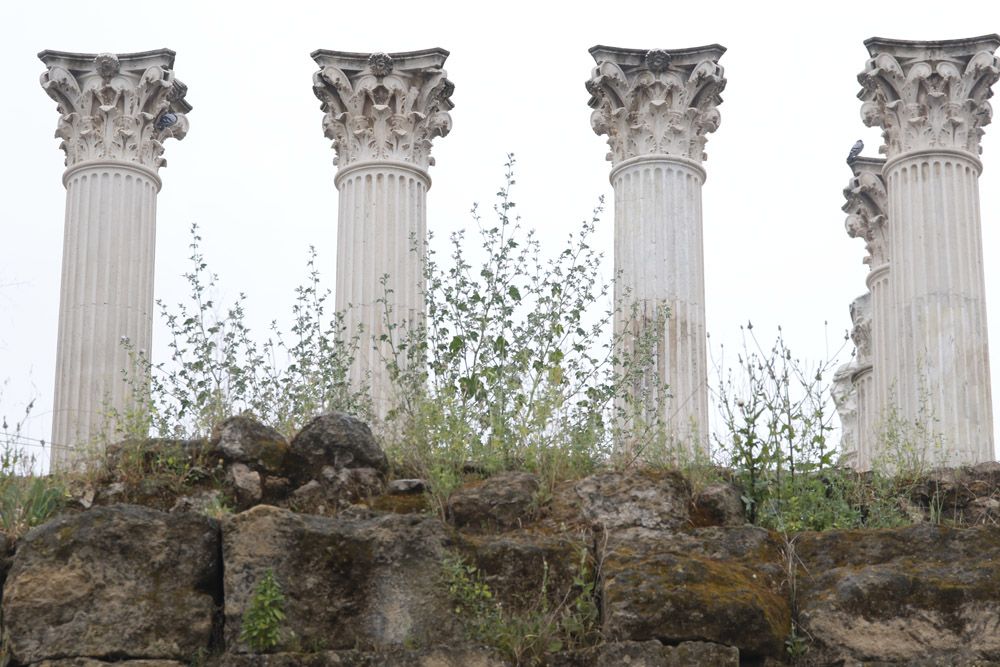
255,171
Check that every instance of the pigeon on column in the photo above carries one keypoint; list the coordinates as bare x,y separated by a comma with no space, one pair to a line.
855,151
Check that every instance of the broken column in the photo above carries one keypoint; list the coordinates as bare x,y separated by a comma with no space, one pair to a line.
871,314
930,99
115,112
656,108
382,111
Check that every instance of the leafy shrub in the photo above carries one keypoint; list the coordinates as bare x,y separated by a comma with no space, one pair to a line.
217,369
514,366
262,621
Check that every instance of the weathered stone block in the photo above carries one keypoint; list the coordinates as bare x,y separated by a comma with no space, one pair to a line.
719,585
368,582
113,582
502,502
922,592
635,498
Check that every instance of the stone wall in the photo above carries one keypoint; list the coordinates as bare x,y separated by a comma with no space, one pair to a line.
678,577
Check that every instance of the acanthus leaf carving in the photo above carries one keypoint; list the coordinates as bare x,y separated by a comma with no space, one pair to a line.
866,206
861,331
929,95
383,106
109,105
656,102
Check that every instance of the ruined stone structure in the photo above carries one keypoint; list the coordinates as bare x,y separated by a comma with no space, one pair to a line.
919,211
656,108
382,112
115,112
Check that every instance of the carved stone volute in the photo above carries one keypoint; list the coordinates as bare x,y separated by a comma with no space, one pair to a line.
384,106
656,102
866,207
114,107
929,95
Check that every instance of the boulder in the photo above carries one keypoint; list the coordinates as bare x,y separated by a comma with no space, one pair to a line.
6,554
719,504
243,439
504,501
635,498
334,439
718,585
368,582
113,582
922,592
649,654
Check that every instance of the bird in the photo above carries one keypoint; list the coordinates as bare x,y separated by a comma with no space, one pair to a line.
165,120
855,151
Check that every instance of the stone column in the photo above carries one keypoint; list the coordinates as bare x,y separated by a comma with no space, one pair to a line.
115,111
872,314
930,99
382,112
656,108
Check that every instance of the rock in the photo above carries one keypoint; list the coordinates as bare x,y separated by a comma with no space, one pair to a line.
985,511
520,568
245,440
901,595
718,504
202,502
90,662
245,483
649,654
436,657
636,498
334,439
504,501
719,585
113,582
336,490
368,583
404,486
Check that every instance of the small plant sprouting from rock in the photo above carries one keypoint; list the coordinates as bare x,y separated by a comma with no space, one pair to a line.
261,629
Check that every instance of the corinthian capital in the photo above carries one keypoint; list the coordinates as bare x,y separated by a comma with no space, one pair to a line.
116,107
383,106
866,208
929,95
656,102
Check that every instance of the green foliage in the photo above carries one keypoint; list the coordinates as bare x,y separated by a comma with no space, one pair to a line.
26,499
217,369
525,636
778,422
513,367
262,621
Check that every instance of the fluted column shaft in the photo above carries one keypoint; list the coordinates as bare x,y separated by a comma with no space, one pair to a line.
106,294
382,111
115,113
657,108
931,101
661,265
943,378
382,222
